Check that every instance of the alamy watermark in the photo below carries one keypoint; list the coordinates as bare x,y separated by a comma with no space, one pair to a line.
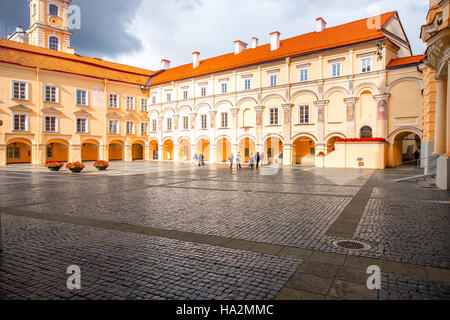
74,279
374,280
74,17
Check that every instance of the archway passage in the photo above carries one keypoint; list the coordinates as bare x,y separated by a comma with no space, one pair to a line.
406,148
168,150
184,150
223,150
304,150
57,150
203,147
246,148
18,151
153,146
115,151
137,151
89,151
331,144
273,148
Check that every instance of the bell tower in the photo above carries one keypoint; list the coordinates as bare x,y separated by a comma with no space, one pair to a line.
49,25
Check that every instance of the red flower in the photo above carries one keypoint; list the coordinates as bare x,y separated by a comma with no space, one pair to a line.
362,140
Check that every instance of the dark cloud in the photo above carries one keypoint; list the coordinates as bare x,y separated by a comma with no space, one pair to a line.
104,25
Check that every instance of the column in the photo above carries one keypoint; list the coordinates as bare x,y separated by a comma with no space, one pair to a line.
38,154
320,147
439,130
287,133
128,152
382,115
351,117
212,142
104,152
75,153
3,155
212,153
259,129
176,152
148,154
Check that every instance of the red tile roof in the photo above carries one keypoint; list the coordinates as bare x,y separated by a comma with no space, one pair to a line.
405,61
346,34
36,57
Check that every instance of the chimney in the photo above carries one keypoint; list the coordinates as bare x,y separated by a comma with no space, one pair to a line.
165,64
274,40
239,46
196,59
254,42
321,25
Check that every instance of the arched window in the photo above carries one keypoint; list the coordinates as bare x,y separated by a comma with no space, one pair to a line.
246,118
53,43
53,10
366,132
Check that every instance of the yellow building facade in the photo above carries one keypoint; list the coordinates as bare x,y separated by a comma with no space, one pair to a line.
346,96
435,33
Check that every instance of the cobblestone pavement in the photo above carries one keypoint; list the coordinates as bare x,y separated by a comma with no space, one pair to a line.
152,231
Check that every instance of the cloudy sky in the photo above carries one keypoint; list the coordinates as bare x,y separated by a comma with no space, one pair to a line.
142,32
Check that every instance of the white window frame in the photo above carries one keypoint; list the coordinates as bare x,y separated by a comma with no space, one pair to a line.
185,123
25,90
116,101
49,99
203,91
334,73
304,118
49,44
168,97
131,103
86,98
224,87
86,125
247,84
51,14
185,94
224,120
129,124
13,122
116,126
204,121
154,125
302,72
363,67
273,79
169,124
56,123
144,104
144,125
274,121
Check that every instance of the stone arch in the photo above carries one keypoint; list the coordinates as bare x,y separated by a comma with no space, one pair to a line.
185,107
140,140
58,138
304,134
117,139
57,149
247,147
398,131
247,136
274,135
361,126
225,101
246,99
339,134
153,111
270,96
223,147
90,149
92,139
303,149
366,86
116,149
394,83
21,150
184,138
300,92
200,105
336,88
19,137
202,137
163,113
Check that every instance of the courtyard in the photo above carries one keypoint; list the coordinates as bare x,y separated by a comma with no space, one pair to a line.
148,230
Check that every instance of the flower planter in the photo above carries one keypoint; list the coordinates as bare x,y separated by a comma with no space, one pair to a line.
54,169
76,170
102,168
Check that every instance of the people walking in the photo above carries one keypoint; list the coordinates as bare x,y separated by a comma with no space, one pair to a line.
252,161
195,158
238,161
262,159
201,160
258,159
280,157
230,159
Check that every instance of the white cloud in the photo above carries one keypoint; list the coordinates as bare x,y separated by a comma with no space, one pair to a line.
173,29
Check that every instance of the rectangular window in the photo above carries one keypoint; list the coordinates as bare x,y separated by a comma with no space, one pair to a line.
50,124
144,128
185,94
19,90
185,123
273,80
169,124
82,125
82,97
51,94
168,97
203,92
114,101
143,104
303,112
224,87
273,116
153,100
49,152
247,84
336,70
113,126
20,122
130,103
304,76
154,125
204,119
130,127
224,118
366,65
14,153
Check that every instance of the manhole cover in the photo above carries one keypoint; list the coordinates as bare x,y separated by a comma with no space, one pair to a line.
351,245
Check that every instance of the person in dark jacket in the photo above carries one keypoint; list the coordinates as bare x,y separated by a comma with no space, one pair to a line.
258,159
